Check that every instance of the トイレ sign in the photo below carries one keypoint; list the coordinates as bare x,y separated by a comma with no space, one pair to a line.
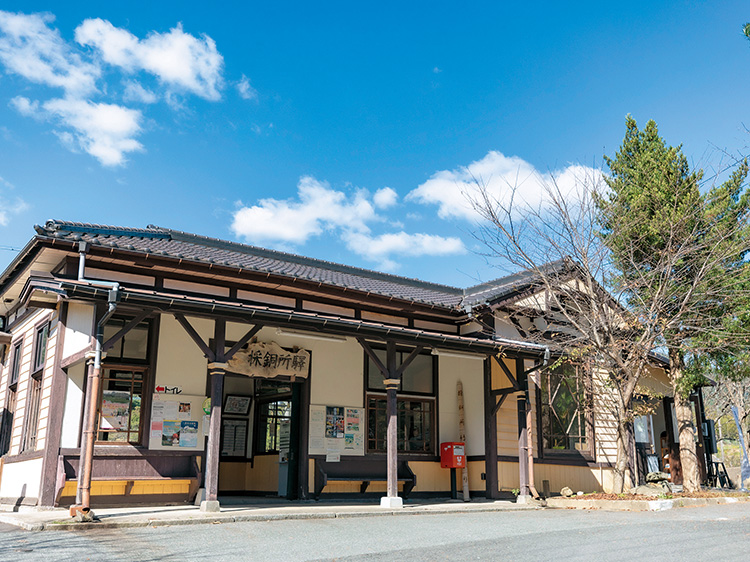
269,360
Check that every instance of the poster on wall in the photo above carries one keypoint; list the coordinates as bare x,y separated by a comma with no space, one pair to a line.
115,408
177,421
336,431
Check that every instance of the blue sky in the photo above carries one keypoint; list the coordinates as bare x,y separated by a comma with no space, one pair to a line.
340,130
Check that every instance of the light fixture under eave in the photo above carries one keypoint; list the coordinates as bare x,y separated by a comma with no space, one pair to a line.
309,335
456,354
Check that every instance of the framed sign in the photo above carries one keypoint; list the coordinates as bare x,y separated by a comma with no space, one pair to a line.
233,438
237,405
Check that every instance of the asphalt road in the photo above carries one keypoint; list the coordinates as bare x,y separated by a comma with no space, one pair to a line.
715,533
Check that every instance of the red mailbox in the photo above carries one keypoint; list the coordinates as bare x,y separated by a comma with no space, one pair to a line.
452,455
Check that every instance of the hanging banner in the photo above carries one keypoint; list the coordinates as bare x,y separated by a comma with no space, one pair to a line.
269,360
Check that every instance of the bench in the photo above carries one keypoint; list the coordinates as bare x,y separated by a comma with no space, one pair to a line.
138,477
361,470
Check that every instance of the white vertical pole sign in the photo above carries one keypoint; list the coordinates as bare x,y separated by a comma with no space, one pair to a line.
462,438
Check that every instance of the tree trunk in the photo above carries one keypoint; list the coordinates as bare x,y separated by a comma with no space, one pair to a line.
624,473
685,427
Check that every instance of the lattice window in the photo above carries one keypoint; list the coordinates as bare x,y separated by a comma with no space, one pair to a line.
565,411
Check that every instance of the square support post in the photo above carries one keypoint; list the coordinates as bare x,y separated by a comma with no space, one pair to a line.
490,435
391,385
523,459
216,373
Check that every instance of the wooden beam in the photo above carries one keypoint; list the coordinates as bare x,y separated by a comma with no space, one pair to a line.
507,372
107,345
220,339
242,341
502,391
195,337
490,435
375,359
411,357
496,407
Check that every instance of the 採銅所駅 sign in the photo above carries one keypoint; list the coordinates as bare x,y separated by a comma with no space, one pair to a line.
269,360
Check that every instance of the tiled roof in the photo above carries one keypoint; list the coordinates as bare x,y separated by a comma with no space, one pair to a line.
505,286
176,244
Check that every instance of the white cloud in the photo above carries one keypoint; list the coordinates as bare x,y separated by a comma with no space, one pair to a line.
30,48
380,248
246,91
9,206
320,208
136,93
106,131
384,198
451,190
179,60
25,106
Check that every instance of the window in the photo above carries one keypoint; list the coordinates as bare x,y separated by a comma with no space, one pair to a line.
40,347
6,429
565,412
15,367
273,411
120,405
415,405
132,347
31,417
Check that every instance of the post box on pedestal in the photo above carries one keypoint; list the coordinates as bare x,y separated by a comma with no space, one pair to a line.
452,455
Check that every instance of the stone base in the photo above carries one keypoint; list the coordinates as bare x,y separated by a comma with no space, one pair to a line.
392,503
524,499
210,506
200,497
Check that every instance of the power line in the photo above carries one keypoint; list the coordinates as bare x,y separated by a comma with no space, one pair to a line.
10,248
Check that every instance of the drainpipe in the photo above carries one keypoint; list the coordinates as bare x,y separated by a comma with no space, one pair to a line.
83,495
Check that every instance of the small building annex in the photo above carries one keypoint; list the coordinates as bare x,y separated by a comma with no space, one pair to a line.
151,365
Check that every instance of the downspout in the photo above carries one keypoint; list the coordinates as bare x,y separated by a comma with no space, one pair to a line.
83,495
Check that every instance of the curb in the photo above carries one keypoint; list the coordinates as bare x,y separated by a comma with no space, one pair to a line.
640,505
228,518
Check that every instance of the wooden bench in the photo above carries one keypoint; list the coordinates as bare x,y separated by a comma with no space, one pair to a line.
361,470
138,477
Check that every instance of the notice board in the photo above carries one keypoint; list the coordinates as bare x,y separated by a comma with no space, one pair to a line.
177,422
336,430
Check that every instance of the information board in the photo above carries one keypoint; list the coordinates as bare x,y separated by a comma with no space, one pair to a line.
336,430
177,422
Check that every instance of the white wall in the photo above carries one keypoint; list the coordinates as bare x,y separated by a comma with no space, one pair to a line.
471,374
78,328
179,361
21,479
71,428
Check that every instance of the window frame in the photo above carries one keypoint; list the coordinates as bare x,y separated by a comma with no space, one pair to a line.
144,370
588,454
41,342
31,413
403,396
260,428
15,363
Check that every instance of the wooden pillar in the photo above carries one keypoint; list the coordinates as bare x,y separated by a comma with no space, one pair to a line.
523,460
216,373
48,490
490,435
